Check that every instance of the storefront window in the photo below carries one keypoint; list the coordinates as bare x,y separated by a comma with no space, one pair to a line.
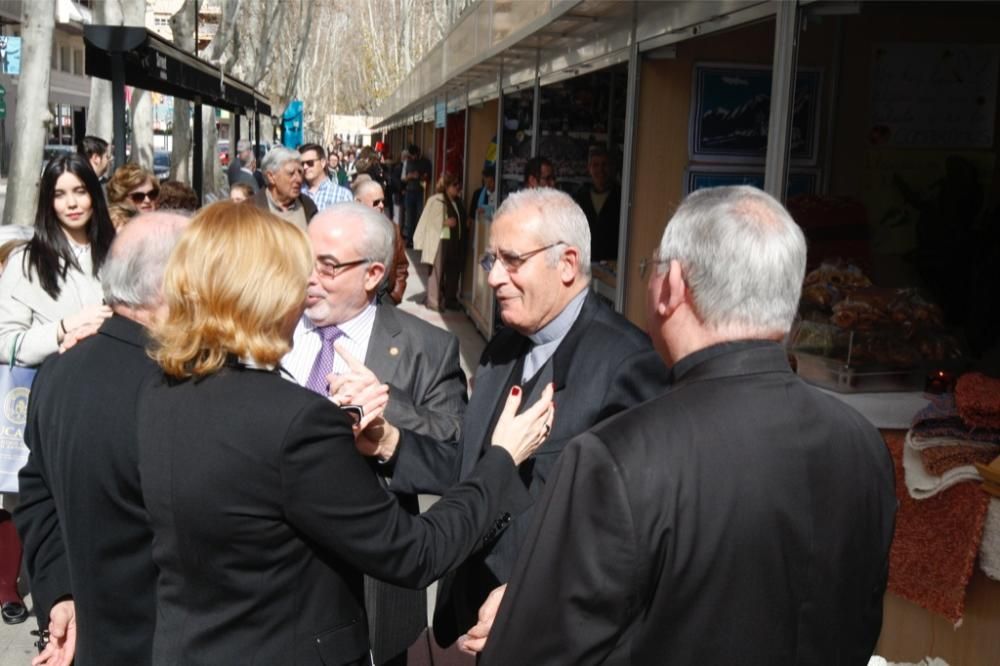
903,187
583,132
518,113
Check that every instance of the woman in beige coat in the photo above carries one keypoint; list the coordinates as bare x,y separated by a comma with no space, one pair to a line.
438,238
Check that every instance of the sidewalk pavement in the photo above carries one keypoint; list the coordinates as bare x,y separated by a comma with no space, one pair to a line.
16,642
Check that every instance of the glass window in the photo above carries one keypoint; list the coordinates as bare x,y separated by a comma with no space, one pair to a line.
901,181
78,62
65,62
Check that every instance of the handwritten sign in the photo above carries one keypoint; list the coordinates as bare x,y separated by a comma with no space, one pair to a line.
934,94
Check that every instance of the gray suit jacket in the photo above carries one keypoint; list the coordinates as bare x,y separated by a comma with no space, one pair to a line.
421,365
427,394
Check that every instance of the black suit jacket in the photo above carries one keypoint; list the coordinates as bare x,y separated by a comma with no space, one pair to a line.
264,517
603,225
741,518
603,365
81,515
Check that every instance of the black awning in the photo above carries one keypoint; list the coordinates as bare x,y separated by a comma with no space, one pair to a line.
154,64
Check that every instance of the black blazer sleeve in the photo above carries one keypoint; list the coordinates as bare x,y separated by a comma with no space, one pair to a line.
37,521
332,498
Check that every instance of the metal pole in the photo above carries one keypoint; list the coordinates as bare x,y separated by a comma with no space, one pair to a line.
498,165
465,144
444,139
256,134
118,105
786,43
536,106
235,134
625,214
197,167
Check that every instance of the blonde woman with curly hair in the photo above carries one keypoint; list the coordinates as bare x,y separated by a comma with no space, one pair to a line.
263,512
132,189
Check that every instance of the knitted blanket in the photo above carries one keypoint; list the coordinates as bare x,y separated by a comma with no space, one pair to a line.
936,541
977,398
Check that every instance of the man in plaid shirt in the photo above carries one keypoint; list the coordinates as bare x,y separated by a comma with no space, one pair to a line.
318,186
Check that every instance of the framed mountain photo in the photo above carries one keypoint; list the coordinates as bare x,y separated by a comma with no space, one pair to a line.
731,108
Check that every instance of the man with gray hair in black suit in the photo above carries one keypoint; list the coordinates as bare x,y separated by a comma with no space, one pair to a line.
87,544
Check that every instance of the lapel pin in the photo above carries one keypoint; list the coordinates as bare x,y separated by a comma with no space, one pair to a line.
393,351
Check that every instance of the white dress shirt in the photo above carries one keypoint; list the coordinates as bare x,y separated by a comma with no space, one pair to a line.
306,343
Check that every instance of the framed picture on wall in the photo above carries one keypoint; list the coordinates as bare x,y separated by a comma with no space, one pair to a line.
800,181
731,108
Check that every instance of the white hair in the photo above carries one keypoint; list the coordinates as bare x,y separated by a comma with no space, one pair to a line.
378,241
278,156
560,220
743,259
132,275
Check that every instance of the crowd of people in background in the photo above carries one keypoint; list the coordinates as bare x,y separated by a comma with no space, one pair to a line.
231,423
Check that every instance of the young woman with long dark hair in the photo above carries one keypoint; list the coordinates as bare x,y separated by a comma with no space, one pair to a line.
48,288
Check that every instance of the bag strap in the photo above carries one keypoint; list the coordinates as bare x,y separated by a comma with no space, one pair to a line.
18,337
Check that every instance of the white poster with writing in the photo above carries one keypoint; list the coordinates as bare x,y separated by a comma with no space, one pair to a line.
941,95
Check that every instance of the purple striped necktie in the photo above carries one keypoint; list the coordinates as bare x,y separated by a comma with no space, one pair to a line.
323,365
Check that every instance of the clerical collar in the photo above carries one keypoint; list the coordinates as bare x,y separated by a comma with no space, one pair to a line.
559,327
686,364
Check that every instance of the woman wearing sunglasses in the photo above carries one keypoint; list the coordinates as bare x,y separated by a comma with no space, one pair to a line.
131,190
49,288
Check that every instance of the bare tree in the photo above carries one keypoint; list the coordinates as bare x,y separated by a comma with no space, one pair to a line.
214,178
182,26
32,115
141,106
100,117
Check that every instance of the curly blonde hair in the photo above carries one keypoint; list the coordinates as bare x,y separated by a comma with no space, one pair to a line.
233,283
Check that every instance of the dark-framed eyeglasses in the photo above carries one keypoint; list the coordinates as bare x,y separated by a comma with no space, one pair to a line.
308,163
511,261
329,269
649,262
139,197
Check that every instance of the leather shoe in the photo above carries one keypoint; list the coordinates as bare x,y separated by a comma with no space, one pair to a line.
13,612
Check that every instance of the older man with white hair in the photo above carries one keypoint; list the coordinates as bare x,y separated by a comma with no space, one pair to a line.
88,547
353,246
557,332
283,195
743,517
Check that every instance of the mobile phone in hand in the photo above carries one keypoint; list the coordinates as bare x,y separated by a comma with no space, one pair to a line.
355,412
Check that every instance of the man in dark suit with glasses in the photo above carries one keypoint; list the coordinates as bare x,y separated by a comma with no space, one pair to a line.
557,331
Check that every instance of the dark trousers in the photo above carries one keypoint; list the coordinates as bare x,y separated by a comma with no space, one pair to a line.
413,202
10,559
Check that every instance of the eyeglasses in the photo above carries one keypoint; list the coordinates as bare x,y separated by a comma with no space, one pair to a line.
308,163
511,261
646,263
328,269
139,197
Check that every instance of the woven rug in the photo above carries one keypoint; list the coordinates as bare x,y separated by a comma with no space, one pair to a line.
936,541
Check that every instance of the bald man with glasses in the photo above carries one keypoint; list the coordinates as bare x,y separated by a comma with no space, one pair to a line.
557,331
